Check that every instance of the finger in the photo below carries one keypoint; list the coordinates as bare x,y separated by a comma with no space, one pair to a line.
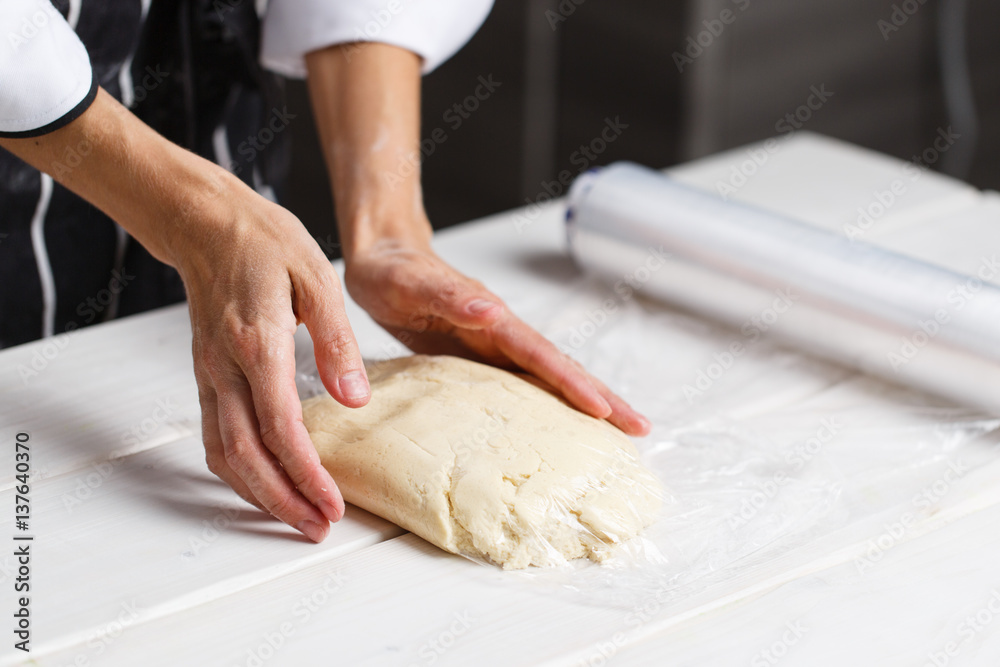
626,418
259,468
622,414
578,386
461,301
537,355
271,376
215,456
320,305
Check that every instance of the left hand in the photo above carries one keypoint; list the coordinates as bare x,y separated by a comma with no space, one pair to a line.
366,101
433,309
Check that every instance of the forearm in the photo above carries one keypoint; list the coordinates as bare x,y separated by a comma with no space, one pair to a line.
367,106
366,100
151,187
252,273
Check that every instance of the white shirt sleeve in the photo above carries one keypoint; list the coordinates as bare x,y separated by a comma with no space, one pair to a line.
433,29
45,74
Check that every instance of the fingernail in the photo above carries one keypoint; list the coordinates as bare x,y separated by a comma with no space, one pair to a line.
354,385
477,306
329,511
312,530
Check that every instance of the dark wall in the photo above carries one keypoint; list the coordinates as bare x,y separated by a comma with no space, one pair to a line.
561,79
882,59
570,72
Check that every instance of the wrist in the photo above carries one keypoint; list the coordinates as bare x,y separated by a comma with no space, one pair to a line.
367,232
367,107
376,205
199,207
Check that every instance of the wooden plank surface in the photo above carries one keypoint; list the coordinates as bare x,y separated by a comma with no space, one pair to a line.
931,601
403,602
93,394
156,532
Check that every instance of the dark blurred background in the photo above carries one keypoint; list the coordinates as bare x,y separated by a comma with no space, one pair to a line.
565,68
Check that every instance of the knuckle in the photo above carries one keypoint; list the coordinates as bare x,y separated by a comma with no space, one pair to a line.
244,341
206,364
251,345
237,455
440,293
447,290
274,431
282,504
535,355
317,286
397,274
215,369
327,278
203,379
438,307
338,342
216,462
207,396
420,321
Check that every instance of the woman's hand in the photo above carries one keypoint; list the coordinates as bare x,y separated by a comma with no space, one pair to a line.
252,273
432,308
250,282
366,100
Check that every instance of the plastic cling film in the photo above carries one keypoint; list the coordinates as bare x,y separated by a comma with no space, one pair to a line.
782,460
780,455
870,308
582,497
485,464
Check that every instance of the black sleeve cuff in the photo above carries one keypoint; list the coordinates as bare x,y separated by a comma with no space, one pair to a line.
63,120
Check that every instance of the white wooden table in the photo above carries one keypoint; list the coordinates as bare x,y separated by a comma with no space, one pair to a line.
875,544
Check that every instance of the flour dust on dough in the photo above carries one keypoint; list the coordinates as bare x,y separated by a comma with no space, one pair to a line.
483,463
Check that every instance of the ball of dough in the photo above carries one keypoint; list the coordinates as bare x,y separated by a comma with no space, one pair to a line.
483,463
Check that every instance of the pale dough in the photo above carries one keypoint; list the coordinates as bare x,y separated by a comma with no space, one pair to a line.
482,463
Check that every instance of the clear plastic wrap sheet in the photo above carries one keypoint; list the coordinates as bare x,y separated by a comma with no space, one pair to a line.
780,453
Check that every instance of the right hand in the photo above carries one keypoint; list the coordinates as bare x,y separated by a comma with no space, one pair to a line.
252,273
250,281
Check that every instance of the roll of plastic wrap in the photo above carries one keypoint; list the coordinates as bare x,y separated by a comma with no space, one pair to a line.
768,275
